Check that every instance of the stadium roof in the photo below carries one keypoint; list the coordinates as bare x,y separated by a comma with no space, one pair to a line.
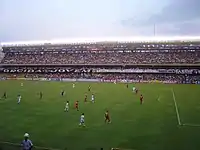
110,39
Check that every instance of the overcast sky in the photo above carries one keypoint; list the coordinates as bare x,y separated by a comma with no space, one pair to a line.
22,20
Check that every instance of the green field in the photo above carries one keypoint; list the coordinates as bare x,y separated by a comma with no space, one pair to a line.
151,126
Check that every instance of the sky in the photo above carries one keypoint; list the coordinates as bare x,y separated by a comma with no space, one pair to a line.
25,20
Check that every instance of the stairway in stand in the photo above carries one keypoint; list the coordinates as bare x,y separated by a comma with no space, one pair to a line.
1,55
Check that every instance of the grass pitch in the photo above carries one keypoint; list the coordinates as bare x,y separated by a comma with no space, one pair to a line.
151,126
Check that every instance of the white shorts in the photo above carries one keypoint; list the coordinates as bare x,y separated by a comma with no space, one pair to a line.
82,121
92,99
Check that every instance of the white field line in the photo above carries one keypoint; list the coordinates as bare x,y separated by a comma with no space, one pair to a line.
37,147
191,125
177,112
121,149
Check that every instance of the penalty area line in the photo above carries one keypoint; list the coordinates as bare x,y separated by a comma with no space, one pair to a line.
176,107
19,145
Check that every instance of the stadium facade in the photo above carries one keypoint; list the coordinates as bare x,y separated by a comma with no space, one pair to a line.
158,59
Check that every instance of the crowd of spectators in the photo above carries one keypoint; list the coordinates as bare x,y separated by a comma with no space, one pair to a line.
103,58
107,55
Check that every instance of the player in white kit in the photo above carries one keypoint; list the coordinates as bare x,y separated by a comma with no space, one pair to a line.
67,106
19,98
73,85
92,98
82,120
134,89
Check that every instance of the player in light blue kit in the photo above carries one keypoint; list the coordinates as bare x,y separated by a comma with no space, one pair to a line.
82,120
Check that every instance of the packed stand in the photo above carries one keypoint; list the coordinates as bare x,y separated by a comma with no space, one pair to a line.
103,58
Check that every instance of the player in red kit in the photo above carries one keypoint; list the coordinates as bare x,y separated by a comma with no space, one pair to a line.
107,117
136,91
141,99
85,100
76,105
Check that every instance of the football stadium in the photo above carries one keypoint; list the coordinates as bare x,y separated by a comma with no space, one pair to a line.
125,94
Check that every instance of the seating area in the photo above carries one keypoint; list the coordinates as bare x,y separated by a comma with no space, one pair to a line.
103,58
104,53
